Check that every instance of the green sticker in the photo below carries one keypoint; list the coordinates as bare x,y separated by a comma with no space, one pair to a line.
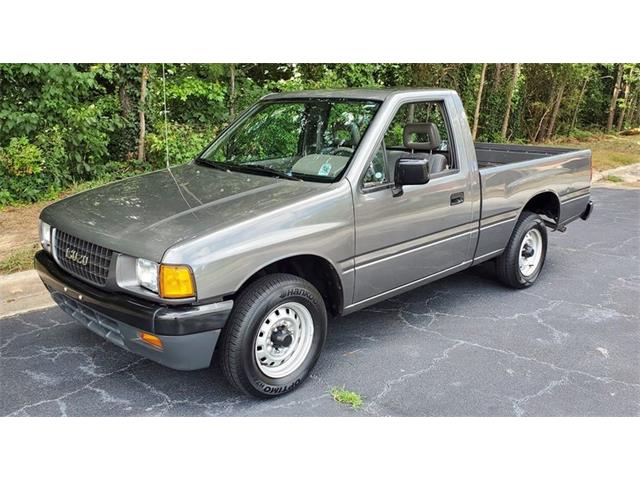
324,169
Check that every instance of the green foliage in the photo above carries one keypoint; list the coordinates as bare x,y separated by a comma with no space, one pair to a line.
184,142
70,124
23,171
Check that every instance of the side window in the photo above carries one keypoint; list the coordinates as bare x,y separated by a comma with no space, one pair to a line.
377,171
426,120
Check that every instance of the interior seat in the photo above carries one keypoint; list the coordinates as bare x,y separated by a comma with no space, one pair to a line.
437,161
422,150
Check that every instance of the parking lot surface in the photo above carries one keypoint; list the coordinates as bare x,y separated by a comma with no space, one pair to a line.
465,345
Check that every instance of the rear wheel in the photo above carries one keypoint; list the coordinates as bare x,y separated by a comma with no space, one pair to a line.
274,335
521,262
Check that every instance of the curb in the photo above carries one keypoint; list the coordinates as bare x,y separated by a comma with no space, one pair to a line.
23,292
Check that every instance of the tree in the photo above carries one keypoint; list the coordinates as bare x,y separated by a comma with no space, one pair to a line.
512,87
232,91
575,112
141,108
556,108
476,115
614,96
626,103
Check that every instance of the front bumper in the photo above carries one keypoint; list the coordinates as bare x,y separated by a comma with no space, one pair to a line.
188,333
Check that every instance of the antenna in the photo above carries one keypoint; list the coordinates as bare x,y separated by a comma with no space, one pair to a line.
166,125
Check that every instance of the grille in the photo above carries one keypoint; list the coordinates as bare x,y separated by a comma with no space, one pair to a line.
92,261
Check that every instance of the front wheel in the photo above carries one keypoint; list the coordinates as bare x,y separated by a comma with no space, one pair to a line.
274,335
521,262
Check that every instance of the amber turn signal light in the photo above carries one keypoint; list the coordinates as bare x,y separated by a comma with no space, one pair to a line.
150,339
176,281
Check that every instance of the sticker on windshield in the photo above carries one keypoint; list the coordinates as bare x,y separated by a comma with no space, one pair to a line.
324,169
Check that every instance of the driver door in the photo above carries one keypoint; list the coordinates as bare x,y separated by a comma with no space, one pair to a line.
406,239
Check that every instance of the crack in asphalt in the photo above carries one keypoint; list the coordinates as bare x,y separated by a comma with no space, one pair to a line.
59,400
522,357
414,354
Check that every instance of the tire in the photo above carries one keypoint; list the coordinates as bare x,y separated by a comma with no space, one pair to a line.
508,267
266,316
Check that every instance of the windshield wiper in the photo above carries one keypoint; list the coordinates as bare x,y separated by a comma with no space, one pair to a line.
211,163
260,169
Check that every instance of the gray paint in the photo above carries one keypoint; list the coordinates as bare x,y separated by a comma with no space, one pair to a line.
227,225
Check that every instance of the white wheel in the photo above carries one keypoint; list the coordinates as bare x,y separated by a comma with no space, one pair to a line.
521,262
530,252
283,340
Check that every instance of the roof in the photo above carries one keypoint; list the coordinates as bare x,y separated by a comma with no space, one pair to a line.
379,94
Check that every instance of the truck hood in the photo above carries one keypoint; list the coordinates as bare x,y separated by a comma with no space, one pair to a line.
145,215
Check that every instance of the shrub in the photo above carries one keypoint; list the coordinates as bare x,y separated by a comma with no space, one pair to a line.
184,144
581,135
23,171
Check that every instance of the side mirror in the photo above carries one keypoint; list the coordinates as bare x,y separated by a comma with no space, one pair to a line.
410,171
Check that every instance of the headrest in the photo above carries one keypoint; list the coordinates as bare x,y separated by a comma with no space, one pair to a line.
428,130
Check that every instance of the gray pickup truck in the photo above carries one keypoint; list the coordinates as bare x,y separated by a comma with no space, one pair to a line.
310,205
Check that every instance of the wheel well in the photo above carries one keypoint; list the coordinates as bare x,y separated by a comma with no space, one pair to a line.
546,204
316,270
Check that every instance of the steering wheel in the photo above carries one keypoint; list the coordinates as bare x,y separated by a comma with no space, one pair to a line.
342,151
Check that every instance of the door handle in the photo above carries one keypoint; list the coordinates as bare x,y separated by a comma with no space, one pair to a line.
456,198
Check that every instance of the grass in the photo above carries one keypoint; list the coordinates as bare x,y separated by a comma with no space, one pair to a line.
614,178
347,397
18,260
609,151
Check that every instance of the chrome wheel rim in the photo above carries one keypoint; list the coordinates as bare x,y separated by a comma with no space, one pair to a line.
283,340
530,252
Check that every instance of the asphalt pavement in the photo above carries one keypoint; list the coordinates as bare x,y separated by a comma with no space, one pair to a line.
462,346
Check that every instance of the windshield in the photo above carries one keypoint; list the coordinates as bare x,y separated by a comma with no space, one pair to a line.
312,139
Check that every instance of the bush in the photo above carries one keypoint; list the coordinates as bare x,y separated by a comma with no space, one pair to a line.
581,135
184,144
25,175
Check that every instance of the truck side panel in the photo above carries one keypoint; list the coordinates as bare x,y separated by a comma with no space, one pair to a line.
506,189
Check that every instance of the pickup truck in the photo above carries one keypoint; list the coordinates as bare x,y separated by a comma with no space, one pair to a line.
309,206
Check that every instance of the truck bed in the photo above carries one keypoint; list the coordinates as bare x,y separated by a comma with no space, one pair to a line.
494,154
510,175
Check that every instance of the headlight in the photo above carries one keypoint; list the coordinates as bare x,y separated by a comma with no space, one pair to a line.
45,236
147,274
169,281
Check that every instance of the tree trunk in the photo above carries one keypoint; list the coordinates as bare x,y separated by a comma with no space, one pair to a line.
634,114
623,109
554,114
512,87
143,97
478,101
575,112
125,101
411,112
635,119
537,135
614,97
543,126
232,91
497,78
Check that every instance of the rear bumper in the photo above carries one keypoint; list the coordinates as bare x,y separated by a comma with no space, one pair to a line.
587,211
188,333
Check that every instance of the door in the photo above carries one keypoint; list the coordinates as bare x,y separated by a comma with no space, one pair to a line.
429,228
